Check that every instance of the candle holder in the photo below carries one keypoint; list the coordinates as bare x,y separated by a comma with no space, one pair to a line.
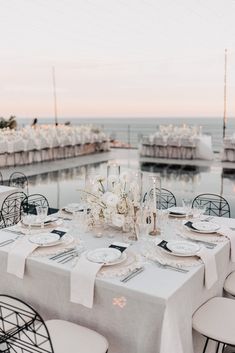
155,231
134,235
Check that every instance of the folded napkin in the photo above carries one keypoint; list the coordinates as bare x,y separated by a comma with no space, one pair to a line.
82,281
230,234
208,259
17,256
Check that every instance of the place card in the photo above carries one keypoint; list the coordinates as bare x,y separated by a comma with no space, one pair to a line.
119,246
163,245
60,232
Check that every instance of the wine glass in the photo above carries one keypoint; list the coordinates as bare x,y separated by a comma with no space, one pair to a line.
42,214
187,205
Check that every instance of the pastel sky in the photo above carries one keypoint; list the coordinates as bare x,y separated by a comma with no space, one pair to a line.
116,58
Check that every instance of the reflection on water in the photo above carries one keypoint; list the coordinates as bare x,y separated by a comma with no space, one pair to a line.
61,187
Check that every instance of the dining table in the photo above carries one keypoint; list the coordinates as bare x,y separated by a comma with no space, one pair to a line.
150,313
6,191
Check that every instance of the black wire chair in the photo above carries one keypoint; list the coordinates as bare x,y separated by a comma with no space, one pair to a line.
215,205
1,179
11,210
19,180
23,330
165,199
32,201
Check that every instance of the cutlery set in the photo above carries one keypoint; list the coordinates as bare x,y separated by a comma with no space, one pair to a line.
132,274
7,242
67,255
169,267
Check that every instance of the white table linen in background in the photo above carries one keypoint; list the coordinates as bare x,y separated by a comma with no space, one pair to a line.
51,143
82,281
177,143
158,304
6,191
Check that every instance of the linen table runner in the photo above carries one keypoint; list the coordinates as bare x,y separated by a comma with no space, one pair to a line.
82,282
17,256
230,234
208,259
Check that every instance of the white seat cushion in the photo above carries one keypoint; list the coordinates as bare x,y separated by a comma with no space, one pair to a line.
229,284
216,319
67,337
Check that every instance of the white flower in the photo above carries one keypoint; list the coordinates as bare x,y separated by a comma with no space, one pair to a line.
112,179
110,199
125,177
99,178
118,220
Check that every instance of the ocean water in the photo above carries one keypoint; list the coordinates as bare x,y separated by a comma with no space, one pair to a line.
130,130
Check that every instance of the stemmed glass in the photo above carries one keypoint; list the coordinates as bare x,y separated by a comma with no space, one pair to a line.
42,214
187,205
28,219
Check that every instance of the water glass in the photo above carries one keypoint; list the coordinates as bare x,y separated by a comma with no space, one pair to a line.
187,205
42,214
28,219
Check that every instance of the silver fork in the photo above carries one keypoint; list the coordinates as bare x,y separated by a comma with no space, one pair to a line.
9,241
170,267
68,258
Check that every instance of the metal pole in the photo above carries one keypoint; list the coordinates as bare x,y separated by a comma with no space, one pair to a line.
55,100
225,93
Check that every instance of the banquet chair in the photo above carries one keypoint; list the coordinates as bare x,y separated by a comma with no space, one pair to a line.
215,204
32,201
1,179
19,180
165,200
23,330
11,210
215,321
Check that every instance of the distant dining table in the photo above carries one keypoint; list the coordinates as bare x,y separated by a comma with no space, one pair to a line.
151,313
160,145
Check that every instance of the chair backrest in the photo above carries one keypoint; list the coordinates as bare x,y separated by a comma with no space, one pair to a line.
215,204
22,329
32,201
165,199
11,210
1,179
19,180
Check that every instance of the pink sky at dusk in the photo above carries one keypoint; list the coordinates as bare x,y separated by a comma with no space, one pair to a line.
116,58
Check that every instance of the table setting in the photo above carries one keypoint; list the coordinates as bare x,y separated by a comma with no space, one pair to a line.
111,256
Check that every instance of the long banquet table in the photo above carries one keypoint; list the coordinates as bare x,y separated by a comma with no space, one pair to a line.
158,303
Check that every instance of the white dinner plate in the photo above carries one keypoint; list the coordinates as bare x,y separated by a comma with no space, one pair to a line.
205,227
46,239
104,255
177,212
73,207
183,248
118,261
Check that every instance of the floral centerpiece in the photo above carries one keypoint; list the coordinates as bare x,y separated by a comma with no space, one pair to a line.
113,200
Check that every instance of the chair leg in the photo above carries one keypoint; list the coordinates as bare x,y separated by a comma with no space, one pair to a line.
205,347
218,345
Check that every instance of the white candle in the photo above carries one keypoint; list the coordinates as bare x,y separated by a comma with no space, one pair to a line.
154,197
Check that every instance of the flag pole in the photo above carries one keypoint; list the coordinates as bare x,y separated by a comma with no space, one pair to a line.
225,93
54,91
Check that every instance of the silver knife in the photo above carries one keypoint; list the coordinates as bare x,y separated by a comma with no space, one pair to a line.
133,273
64,253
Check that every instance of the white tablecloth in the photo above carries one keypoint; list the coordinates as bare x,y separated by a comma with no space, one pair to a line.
177,147
5,191
159,302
